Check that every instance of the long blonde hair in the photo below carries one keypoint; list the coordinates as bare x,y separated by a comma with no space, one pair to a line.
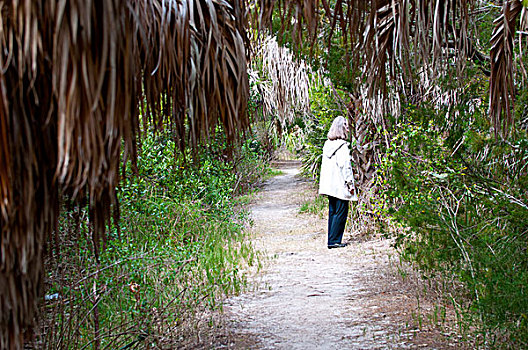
337,130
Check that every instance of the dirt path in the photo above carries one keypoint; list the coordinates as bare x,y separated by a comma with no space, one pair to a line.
310,297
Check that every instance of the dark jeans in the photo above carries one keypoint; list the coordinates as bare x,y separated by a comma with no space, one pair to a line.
337,217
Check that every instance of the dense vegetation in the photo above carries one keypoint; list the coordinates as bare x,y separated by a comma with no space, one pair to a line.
179,246
454,199
462,196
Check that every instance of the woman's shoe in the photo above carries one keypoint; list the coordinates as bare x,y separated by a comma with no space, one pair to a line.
337,245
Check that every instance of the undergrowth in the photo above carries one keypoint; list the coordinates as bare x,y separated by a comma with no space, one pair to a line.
179,247
460,198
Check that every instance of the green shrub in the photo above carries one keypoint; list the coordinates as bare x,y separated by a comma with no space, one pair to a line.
180,247
463,195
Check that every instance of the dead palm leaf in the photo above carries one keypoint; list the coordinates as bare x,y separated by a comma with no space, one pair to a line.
501,78
392,39
74,74
285,82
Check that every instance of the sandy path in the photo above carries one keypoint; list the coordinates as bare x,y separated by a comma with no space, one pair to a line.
310,297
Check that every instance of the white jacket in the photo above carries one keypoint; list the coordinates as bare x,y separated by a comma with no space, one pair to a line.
336,170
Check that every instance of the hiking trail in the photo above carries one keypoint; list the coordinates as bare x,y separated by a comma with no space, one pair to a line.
310,297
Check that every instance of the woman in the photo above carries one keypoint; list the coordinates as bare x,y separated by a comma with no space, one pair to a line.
337,180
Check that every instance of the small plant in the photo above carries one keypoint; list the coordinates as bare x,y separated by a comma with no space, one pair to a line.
317,205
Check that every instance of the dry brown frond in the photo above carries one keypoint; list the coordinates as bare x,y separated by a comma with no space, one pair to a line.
284,89
72,76
194,60
501,79
391,40
380,35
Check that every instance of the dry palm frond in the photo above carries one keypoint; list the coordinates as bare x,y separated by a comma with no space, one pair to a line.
380,34
299,16
393,36
72,75
523,27
304,19
501,79
198,66
63,117
285,86
410,36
